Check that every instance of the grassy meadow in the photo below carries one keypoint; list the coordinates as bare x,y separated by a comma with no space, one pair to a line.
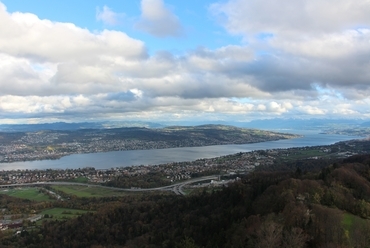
88,191
32,194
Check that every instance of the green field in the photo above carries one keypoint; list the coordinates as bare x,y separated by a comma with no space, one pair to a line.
352,224
81,180
61,213
86,191
32,194
347,221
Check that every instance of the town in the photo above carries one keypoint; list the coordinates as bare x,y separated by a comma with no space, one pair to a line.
239,163
227,168
40,145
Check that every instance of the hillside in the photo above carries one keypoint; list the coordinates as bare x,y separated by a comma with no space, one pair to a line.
265,209
52,144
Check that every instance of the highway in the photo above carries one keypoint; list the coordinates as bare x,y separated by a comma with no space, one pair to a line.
176,188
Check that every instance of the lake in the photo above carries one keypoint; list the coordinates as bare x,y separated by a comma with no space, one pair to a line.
106,160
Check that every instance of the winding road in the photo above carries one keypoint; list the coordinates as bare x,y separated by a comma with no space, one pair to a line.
176,188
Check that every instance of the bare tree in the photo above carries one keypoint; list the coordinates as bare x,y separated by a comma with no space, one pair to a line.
269,235
294,238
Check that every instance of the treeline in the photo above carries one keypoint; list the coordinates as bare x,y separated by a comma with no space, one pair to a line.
12,205
304,165
149,180
328,208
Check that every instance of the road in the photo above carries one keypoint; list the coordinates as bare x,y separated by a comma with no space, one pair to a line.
176,188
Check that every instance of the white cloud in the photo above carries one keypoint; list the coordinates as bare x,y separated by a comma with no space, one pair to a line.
334,45
158,20
291,17
45,58
277,108
261,107
107,16
58,70
303,42
25,35
311,110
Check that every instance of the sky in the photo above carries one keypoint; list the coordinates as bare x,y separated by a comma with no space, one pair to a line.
167,60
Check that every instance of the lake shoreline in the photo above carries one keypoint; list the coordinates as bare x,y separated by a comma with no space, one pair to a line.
113,159
59,156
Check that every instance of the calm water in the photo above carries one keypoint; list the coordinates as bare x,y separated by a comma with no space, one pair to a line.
108,160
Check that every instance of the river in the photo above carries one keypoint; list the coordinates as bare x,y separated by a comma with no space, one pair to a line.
106,160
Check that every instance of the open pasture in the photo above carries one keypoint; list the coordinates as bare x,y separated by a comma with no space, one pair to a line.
30,193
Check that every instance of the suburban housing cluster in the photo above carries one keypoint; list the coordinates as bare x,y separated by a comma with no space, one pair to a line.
236,163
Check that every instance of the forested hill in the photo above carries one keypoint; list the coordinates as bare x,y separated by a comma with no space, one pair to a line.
329,208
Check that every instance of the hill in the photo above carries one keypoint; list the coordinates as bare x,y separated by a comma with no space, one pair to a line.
53,144
329,208
64,126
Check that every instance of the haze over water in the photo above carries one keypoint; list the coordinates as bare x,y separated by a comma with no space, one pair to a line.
107,160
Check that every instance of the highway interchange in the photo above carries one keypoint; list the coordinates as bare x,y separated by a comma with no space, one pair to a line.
176,188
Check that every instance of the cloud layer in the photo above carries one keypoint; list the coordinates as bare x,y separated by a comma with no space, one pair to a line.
300,59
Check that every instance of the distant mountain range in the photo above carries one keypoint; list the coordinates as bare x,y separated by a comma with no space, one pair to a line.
365,124
304,124
63,126
297,124
268,124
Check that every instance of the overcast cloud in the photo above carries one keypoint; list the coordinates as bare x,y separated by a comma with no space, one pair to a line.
296,58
